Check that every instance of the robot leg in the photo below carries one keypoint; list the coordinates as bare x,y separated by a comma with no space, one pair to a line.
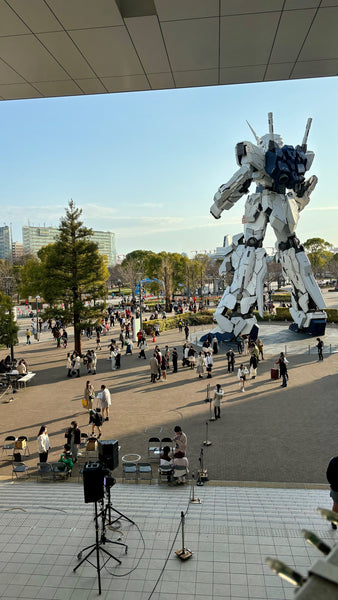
308,305
235,310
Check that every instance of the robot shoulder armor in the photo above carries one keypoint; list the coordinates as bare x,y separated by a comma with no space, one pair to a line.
247,152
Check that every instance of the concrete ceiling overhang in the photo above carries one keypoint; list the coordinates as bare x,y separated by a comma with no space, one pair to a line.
77,47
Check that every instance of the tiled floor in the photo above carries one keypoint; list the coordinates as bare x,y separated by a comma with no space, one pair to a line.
44,526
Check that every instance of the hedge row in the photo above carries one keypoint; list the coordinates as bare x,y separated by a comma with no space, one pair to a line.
206,318
281,297
201,318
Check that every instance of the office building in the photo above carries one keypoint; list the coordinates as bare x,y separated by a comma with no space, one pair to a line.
35,237
5,243
17,250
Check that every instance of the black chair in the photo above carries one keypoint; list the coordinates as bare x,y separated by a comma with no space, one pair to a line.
154,448
8,445
45,471
144,471
20,470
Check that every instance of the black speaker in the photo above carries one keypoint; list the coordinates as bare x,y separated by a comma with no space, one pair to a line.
93,482
109,453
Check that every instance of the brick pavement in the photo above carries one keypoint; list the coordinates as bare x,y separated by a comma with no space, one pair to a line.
267,434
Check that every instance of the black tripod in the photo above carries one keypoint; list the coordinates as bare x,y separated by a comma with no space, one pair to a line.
108,511
100,540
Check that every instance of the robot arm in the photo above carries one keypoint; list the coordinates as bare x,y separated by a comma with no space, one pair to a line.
228,193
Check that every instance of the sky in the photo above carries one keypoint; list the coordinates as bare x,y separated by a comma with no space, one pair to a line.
146,165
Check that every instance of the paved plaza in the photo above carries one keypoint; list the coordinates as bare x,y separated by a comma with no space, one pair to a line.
266,467
45,526
267,434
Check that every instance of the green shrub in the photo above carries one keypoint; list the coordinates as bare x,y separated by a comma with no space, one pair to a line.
332,315
281,297
201,318
282,314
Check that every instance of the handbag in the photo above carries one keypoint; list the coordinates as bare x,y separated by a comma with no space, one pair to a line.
84,402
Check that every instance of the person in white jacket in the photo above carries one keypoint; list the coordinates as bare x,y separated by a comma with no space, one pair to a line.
105,401
43,443
242,374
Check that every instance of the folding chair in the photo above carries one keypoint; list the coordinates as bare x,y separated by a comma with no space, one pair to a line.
129,471
20,470
45,471
8,445
144,471
154,448
60,471
167,441
164,473
180,474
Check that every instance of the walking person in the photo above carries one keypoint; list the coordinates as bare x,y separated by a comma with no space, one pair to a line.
77,364
69,365
186,331
143,347
191,357
73,435
209,364
164,368
218,396
94,362
214,345
320,347
174,358
231,360
89,395
260,347
105,401
246,345
242,374
200,365
283,370
95,418
153,368
28,336
253,366
43,444
332,477
240,344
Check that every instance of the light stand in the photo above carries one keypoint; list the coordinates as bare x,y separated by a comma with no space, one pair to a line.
206,441
184,553
193,500
99,542
109,507
203,473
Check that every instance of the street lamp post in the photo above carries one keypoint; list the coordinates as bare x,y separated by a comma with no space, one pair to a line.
8,280
37,298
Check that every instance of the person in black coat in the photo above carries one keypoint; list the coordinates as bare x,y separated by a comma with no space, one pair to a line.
231,360
73,435
174,357
332,477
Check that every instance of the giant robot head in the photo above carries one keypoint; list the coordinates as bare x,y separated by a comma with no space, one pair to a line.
263,142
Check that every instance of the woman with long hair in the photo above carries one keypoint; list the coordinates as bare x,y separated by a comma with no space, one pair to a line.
43,443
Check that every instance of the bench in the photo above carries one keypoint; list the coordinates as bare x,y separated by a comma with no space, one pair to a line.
26,379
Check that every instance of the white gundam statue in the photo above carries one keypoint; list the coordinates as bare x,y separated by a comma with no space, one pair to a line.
278,172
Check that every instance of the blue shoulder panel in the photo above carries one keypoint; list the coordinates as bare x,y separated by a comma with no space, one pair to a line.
286,166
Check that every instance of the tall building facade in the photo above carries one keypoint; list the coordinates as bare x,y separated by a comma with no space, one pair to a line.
35,237
5,243
17,250
105,241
